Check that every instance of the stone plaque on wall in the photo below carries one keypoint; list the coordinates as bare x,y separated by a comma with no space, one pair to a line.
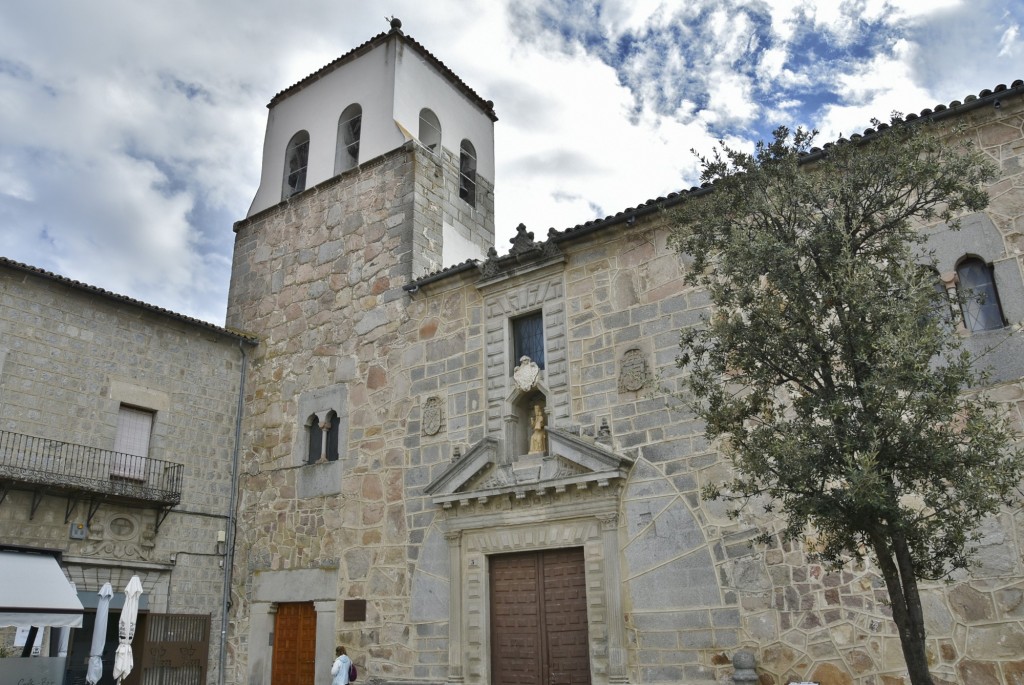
432,416
633,374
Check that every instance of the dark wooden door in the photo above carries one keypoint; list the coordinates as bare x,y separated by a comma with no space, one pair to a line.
294,660
539,618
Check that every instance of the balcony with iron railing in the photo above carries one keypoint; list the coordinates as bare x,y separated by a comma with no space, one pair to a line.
41,464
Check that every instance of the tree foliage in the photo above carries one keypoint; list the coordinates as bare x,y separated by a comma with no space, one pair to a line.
830,368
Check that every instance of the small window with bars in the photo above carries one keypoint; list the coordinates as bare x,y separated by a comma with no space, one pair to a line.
295,160
350,126
467,172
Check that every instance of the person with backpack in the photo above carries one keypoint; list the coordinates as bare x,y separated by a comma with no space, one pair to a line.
343,671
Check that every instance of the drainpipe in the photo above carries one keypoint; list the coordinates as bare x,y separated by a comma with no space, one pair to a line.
229,557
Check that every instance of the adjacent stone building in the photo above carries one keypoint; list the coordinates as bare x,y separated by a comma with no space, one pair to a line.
118,435
470,468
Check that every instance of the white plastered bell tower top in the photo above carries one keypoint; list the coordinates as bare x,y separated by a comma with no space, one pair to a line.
393,80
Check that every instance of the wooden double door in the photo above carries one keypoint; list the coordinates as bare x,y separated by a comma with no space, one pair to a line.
538,604
294,660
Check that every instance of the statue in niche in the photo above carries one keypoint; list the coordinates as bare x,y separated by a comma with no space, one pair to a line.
539,438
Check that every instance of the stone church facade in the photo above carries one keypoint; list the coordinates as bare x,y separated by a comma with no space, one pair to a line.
474,470
469,468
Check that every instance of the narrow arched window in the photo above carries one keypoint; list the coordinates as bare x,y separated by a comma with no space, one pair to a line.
350,125
316,441
979,299
430,130
322,448
467,172
332,437
296,157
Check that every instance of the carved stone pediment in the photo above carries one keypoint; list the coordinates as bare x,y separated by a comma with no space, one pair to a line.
571,463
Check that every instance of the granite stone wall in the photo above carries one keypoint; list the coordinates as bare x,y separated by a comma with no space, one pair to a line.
426,377
70,359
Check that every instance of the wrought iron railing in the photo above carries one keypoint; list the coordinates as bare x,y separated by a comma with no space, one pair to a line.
28,460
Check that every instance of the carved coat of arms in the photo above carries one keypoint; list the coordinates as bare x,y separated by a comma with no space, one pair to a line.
432,416
526,374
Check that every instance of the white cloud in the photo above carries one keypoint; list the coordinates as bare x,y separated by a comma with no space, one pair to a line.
1009,42
131,133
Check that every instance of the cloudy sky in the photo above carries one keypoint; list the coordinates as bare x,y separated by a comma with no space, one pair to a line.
131,132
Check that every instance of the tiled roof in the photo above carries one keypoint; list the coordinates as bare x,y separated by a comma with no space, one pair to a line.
468,265
486,105
93,290
987,97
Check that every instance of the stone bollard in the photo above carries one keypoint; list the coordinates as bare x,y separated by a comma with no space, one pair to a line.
743,665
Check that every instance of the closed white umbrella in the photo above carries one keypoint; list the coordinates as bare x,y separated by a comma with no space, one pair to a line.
99,635
123,661
65,635
62,642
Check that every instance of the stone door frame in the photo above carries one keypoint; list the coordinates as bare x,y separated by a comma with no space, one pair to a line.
289,650
469,548
319,586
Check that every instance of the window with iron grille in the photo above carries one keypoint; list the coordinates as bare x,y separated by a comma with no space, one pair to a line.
980,299
430,130
174,649
350,126
467,172
295,160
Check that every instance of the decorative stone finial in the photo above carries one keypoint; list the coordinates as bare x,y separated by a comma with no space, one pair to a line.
522,241
396,25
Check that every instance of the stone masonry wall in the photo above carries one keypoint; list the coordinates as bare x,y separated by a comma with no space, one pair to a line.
70,359
437,207
319,280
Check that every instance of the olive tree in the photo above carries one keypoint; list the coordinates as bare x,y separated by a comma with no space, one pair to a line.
830,368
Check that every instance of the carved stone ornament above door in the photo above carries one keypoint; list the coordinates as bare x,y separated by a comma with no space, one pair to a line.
572,463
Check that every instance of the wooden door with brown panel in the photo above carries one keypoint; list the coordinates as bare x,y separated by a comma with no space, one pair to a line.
539,618
294,661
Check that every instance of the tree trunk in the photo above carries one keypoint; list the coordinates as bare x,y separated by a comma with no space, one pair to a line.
897,569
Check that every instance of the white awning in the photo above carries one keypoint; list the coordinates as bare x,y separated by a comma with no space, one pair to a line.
34,592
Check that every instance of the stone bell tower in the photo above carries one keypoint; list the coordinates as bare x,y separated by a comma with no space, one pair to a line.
377,169
385,140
